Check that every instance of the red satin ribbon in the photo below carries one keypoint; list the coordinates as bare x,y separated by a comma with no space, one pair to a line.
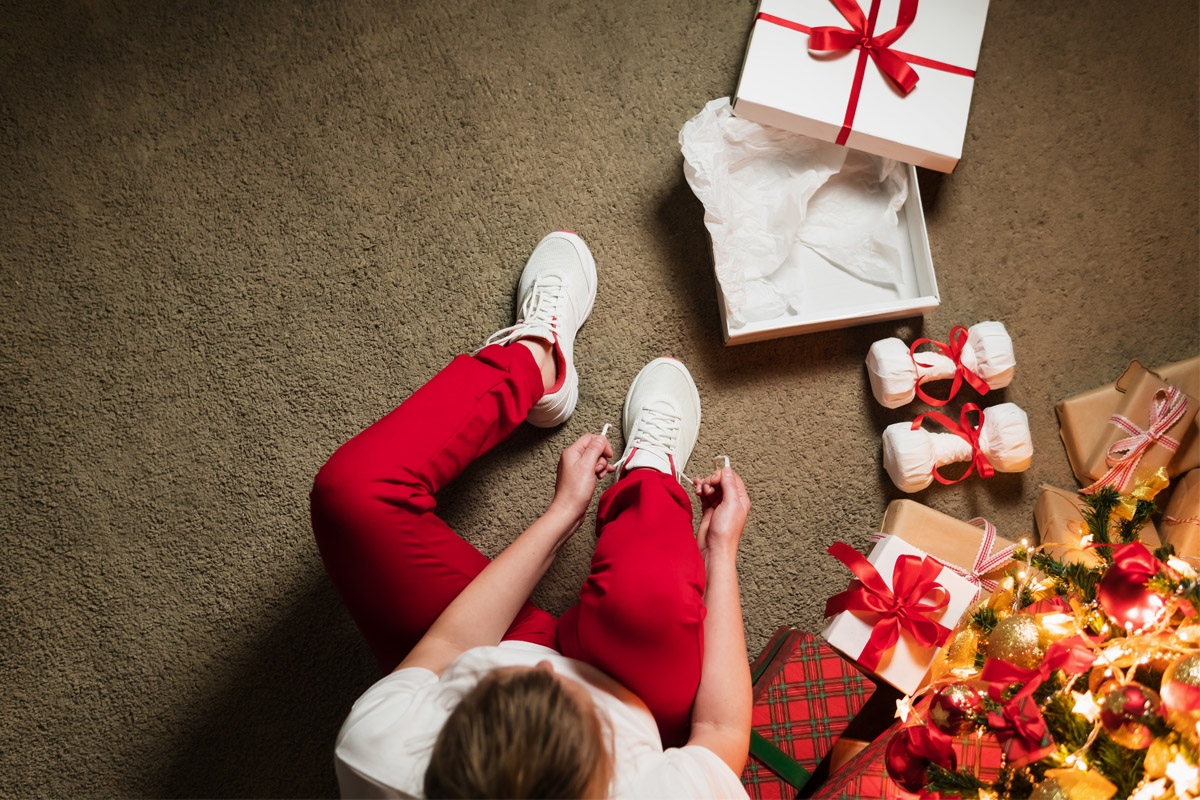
952,351
1071,654
964,430
861,36
912,603
1021,731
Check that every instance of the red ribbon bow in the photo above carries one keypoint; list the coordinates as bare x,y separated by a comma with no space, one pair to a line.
876,45
1021,731
1166,409
964,430
912,603
1071,654
862,36
952,351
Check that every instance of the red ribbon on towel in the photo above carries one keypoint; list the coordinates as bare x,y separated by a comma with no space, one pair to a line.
952,351
861,36
964,430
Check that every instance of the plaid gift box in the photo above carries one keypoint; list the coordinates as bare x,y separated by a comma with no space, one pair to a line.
805,695
866,777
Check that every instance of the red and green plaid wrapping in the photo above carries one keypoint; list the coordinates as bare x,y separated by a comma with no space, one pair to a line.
865,776
804,698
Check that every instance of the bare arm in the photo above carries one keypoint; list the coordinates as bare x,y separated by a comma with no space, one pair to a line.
721,713
481,614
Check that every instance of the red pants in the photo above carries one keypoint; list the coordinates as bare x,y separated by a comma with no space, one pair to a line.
397,565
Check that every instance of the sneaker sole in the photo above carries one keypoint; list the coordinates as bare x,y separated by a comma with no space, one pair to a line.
626,422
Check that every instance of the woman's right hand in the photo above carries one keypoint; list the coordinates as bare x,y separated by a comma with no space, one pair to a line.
724,506
579,467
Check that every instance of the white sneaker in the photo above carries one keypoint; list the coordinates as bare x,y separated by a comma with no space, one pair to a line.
661,419
555,295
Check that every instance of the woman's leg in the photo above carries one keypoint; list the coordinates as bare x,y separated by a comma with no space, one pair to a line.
640,616
394,562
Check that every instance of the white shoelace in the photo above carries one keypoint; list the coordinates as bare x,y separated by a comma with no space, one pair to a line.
539,312
656,430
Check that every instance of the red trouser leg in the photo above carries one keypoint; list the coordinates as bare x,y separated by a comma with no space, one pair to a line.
394,562
640,616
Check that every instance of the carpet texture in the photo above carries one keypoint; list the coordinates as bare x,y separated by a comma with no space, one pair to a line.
234,234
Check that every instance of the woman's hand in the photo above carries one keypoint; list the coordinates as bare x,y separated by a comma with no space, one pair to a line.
724,506
579,467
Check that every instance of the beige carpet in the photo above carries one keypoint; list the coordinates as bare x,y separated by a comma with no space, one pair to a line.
233,234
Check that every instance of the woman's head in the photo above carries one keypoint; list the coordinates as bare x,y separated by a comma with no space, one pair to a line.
521,732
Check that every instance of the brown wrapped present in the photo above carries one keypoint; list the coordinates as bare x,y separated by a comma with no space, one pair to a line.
1059,516
1181,520
1081,416
955,543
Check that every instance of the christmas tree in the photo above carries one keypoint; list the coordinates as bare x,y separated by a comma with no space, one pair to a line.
1085,668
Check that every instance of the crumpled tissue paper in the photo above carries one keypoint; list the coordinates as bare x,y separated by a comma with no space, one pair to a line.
767,191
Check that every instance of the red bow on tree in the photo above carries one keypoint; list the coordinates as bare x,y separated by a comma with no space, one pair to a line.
1072,654
877,45
952,351
1021,731
912,603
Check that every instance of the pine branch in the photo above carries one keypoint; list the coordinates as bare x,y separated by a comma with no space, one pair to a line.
1074,578
1097,511
1119,764
1069,729
984,620
953,784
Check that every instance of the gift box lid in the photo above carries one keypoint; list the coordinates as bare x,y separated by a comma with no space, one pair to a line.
947,539
844,95
805,695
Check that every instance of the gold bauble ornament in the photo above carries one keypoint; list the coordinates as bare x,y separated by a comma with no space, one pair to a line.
1017,640
1049,789
1073,784
957,655
1180,690
1158,755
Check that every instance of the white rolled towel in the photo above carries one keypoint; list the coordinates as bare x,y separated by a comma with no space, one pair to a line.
896,372
911,456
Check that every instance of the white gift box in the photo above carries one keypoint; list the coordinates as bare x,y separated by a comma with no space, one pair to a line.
834,298
787,85
905,665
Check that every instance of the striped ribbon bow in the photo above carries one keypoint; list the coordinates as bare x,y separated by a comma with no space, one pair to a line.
985,560
1166,409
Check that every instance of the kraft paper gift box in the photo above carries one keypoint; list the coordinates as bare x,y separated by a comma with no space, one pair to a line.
1082,418
865,775
949,540
907,663
805,695
846,95
1059,517
1181,520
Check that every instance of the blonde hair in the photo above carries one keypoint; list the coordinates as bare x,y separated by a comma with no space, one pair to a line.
520,734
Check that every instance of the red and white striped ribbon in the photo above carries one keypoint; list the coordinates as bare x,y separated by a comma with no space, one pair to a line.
1123,456
1178,521
985,560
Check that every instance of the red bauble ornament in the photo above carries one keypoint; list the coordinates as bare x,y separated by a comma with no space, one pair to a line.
1122,592
954,708
912,750
1124,712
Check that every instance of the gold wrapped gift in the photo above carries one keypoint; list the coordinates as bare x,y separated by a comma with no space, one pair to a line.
1181,520
1083,420
949,540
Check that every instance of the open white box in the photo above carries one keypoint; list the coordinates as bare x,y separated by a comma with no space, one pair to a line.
836,299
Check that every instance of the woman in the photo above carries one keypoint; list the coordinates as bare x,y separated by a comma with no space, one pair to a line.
642,688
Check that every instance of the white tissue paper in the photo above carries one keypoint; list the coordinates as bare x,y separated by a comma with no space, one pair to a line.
768,192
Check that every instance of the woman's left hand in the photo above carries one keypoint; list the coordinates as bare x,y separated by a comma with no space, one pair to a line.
579,467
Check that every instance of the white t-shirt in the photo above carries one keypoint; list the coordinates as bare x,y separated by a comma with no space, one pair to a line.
384,746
